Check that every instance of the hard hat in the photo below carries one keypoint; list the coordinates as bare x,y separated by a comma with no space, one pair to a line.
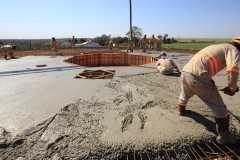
163,55
236,39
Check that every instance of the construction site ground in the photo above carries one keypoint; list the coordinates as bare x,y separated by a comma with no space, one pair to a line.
46,113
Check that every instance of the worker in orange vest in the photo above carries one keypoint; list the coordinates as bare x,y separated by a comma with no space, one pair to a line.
166,65
73,42
196,78
152,40
55,45
110,45
159,43
143,42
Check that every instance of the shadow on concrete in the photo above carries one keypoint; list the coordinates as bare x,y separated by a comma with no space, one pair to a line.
175,74
40,70
210,125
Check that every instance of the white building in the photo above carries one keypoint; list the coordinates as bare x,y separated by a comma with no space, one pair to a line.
64,45
88,44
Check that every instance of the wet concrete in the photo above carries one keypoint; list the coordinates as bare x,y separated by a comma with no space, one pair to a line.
47,114
32,94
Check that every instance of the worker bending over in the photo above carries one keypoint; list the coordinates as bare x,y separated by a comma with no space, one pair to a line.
165,65
8,50
196,78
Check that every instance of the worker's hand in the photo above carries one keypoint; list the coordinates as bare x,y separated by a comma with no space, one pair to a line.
177,70
227,91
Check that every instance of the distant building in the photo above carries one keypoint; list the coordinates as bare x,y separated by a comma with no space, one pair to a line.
64,45
88,44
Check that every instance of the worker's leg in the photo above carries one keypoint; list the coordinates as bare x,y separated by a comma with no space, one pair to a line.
158,46
186,92
56,50
206,90
144,47
222,127
4,54
11,54
166,70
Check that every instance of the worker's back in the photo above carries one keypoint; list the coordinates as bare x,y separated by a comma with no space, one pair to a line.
212,59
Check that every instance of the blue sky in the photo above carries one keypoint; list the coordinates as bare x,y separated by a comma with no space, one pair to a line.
43,19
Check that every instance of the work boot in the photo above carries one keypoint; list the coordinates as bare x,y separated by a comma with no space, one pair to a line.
181,110
222,126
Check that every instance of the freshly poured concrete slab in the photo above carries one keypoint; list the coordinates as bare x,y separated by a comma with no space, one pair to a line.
31,94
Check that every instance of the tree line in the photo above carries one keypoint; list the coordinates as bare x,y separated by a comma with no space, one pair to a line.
102,40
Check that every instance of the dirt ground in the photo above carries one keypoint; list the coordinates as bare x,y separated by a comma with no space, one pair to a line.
76,51
130,114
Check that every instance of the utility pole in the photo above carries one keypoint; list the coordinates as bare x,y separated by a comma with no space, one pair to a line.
177,41
131,45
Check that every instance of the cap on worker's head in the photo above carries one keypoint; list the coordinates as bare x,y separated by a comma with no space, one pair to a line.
14,47
163,55
236,39
159,35
153,35
145,35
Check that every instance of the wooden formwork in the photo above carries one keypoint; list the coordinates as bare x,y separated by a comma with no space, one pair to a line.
110,59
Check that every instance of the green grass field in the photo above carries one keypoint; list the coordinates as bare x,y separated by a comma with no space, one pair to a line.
199,43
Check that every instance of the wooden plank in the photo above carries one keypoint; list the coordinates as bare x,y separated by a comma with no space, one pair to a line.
41,65
110,60
79,76
88,60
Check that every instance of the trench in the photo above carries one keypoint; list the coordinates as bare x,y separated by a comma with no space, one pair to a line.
110,59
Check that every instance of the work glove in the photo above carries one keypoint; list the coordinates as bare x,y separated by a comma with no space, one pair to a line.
228,92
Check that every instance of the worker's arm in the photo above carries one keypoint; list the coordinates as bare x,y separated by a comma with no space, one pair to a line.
158,63
232,73
232,83
175,66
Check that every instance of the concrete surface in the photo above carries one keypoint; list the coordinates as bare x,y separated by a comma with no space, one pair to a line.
47,114
32,94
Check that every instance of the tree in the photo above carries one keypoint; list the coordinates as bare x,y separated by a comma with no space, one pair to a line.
82,40
119,40
103,40
165,38
137,34
174,40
